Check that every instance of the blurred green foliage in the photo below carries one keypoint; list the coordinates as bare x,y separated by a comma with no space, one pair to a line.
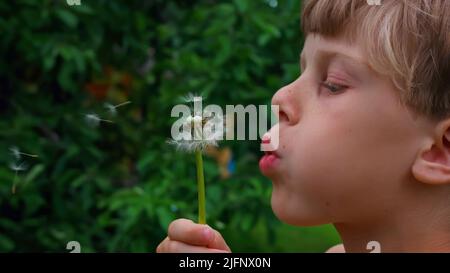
115,187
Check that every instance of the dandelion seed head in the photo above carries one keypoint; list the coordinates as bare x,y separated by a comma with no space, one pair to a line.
191,97
197,119
199,132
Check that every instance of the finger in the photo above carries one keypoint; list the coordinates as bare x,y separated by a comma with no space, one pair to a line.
336,249
170,246
218,242
161,245
186,231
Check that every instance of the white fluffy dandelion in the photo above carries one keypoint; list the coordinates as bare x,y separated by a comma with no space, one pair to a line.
199,132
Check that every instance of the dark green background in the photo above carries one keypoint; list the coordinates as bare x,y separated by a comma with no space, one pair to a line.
116,187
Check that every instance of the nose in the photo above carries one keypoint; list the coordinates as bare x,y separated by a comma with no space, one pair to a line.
287,100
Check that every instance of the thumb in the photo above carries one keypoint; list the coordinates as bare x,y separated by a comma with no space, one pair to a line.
215,239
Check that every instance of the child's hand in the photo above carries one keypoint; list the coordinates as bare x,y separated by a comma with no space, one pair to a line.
186,236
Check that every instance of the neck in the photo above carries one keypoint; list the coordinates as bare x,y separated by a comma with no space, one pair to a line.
393,239
412,229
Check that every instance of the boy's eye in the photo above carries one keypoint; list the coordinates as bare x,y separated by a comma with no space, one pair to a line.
333,87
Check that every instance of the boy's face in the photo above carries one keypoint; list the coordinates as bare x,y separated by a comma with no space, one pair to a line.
346,143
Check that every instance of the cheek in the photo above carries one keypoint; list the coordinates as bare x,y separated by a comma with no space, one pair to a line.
345,158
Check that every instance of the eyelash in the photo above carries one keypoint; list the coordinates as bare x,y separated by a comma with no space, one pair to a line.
333,87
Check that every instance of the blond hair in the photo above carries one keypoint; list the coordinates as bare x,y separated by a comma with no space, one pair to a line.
409,40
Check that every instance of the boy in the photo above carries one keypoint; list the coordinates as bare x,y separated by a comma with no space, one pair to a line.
364,131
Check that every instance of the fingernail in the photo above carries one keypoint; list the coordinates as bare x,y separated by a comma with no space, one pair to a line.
207,234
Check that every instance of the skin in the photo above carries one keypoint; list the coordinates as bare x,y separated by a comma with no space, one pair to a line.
351,154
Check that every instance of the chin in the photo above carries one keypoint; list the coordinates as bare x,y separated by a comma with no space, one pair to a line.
293,214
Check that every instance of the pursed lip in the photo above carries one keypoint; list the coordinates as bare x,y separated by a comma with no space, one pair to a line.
275,153
269,162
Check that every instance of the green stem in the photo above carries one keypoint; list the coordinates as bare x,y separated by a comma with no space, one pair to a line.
201,187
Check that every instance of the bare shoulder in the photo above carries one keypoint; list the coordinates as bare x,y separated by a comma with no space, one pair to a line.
336,249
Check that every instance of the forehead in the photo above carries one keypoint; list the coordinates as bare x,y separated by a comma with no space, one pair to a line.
316,44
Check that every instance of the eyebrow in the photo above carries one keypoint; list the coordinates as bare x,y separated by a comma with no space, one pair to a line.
333,54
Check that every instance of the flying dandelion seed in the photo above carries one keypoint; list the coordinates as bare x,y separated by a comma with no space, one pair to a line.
17,167
15,151
94,120
112,109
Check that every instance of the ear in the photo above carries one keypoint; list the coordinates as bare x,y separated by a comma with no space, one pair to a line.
432,165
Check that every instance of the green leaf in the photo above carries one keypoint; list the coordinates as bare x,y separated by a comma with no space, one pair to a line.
242,5
6,244
164,217
145,162
35,172
67,17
